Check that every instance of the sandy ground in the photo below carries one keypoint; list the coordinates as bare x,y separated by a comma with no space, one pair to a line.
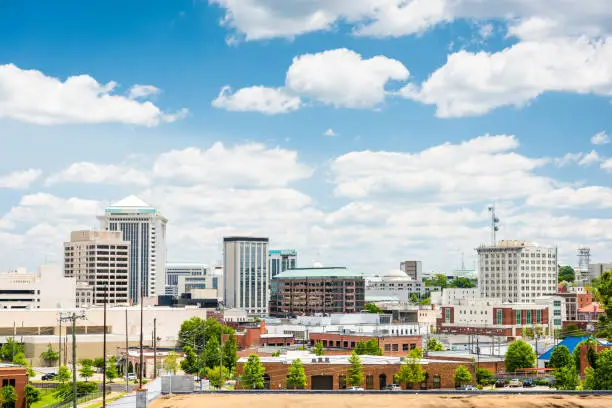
379,401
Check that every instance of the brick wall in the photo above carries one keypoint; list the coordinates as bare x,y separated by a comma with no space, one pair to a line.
390,345
18,376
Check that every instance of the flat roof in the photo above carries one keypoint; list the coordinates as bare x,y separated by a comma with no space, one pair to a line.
328,272
243,238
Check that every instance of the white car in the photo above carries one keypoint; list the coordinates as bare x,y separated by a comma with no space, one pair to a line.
132,377
515,382
355,389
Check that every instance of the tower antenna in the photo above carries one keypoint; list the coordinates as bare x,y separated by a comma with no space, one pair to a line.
494,225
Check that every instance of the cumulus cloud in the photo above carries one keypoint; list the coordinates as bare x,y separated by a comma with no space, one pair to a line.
96,173
20,179
341,78
580,159
143,91
600,138
31,96
329,133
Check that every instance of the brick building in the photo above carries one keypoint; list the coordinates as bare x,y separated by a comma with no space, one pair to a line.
17,377
390,345
306,291
329,372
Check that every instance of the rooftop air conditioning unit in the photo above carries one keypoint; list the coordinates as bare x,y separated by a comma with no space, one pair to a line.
327,359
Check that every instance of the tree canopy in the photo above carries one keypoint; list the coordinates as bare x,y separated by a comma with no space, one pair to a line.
566,273
296,376
10,348
253,373
369,347
63,374
8,396
519,355
50,356
170,362
560,357
462,282
216,376
439,280
86,369
484,376
318,349
372,308
411,372
462,375
354,376
32,394
434,344
600,378
604,294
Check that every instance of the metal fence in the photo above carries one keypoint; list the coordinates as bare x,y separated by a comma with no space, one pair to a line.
85,398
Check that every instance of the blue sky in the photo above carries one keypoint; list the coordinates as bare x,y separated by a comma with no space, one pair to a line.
393,81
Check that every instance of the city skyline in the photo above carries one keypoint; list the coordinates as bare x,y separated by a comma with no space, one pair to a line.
228,131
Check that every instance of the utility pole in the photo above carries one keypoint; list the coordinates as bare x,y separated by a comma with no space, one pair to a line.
127,354
59,344
14,337
140,369
73,317
104,351
155,348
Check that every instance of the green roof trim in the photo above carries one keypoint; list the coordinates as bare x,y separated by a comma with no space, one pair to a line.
302,273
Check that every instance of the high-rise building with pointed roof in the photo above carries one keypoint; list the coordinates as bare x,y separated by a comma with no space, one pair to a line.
145,228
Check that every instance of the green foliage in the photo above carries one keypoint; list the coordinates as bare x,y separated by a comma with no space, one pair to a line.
519,355
566,273
318,349
230,351
196,332
63,374
372,308
276,353
111,369
86,369
8,396
462,375
571,330
566,377
50,356
604,295
414,298
64,391
10,348
369,347
354,376
214,375
434,344
212,353
439,280
296,377
484,377
426,301
600,377
32,394
411,372
99,363
462,282
252,376
189,364
560,357
170,363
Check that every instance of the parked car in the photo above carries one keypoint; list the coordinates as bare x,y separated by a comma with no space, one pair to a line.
48,376
355,389
393,387
468,387
515,382
528,383
501,383
132,377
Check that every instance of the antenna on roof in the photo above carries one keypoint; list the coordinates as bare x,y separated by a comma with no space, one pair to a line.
494,225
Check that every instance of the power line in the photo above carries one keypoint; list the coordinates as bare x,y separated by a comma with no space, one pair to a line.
73,317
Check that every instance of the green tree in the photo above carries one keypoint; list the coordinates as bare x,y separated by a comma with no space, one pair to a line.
99,363
230,351
296,376
600,377
462,282
170,362
604,295
439,280
64,391
566,273
189,364
32,394
276,353
591,354
10,348
434,344
411,371
20,359
426,301
111,369
566,378
212,353
571,330
560,357
519,355
214,376
462,376
369,347
318,349
484,376
63,374
50,356
372,308
354,376
253,373
196,332
86,369
8,396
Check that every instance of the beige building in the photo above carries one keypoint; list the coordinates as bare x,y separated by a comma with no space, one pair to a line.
46,288
99,259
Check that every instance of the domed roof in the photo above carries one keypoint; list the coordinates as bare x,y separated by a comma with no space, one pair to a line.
395,274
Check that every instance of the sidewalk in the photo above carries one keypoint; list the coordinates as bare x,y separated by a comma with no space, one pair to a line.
129,401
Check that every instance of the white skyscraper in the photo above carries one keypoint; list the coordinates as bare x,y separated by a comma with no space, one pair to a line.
517,271
145,228
246,279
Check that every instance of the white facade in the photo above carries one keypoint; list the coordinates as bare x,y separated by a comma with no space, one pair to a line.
246,277
281,260
101,260
20,289
217,273
395,284
145,228
175,270
517,271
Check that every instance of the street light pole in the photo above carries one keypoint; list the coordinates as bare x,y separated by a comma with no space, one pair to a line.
104,351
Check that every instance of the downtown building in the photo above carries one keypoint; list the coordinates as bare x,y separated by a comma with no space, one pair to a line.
145,229
281,260
246,277
517,271
414,269
198,271
99,261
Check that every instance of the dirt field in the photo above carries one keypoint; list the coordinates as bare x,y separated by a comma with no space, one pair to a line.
380,401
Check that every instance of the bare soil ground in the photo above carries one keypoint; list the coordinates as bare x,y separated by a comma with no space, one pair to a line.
381,401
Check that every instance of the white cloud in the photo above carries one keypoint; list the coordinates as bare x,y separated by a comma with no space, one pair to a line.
329,132
143,91
600,138
485,31
567,197
31,96
580,159
590,158
476,83
340,77
20,179
249,165
257,99
95,173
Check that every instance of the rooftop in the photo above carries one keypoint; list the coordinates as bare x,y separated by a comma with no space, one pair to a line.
130,202
329,272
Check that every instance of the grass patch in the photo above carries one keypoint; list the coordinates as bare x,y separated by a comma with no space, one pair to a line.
47,399
108,400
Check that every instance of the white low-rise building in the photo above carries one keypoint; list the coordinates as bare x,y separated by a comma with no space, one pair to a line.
20,289
395,283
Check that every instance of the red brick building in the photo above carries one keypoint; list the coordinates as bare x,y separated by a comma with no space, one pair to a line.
255,334
329,372
16,377
390,345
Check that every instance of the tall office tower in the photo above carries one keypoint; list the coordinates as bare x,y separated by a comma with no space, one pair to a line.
517,271
100,259
145,228
414,269
175,270
281,260
246,279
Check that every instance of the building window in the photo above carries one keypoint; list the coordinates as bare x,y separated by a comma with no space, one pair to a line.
557,313
557,303
528,317
557,322
395,347
499,317
387,347
447,315
342,382
369,382
518,317
404,347
538,316
436,381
